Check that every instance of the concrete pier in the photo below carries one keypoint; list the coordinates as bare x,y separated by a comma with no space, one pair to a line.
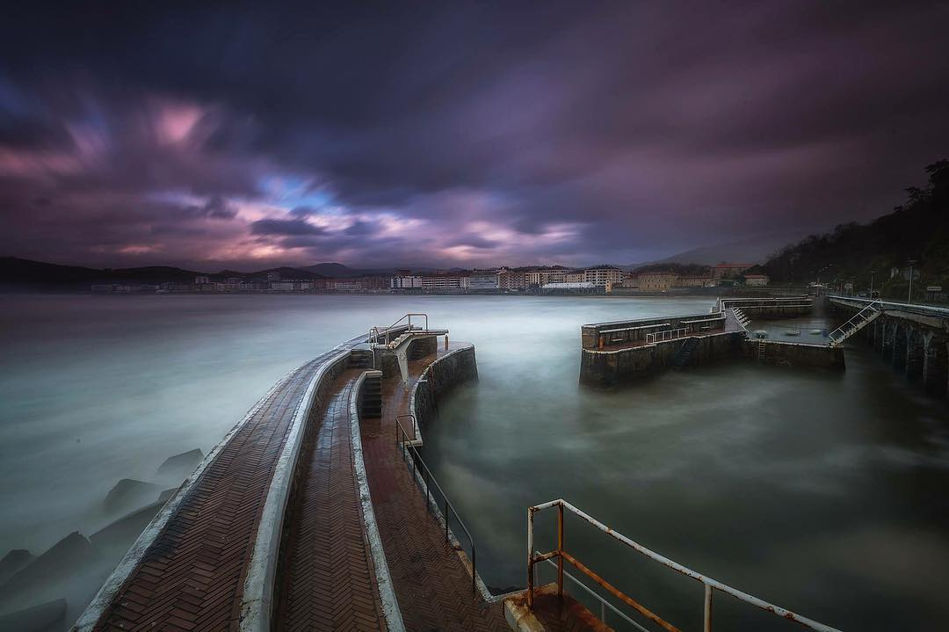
622,351
913,339
306,516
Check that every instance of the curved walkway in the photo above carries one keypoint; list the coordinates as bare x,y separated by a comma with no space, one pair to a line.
326,580
432,584
190,576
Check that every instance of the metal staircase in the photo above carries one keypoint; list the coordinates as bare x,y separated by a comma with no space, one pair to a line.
742,318
681,357
860,320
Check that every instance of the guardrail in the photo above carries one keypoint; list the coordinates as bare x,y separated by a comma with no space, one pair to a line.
709,584
423,476
667,334
376,332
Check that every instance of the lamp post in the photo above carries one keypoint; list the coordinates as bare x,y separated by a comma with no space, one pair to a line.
909,296
872,272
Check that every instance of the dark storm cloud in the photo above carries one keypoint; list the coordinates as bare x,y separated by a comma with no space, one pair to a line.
284,227
512,131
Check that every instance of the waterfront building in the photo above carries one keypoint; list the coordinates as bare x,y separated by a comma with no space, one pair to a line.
483,280
756,280
602,276
511,279
406,282
695,281
657,281
729,270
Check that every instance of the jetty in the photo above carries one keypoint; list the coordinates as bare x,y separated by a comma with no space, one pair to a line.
621,351
317,511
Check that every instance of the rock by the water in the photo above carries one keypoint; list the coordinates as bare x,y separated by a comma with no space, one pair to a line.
124,531
180,465
129,493
12,562
35,618
67,556
165,495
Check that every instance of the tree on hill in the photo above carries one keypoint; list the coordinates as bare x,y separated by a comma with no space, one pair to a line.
917,230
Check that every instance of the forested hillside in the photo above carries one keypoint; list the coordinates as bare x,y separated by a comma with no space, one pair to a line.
916,231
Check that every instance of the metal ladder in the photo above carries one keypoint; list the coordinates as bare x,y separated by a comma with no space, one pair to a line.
860,320
762,349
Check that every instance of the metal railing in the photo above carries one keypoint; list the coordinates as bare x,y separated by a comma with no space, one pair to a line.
377,332
423,477
709,584
605,605
667,334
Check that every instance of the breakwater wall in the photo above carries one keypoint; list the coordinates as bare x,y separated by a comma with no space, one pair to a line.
772,308
453,368
793,354
611,367
912,339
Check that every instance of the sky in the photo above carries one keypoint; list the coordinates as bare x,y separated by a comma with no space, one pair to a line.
247,135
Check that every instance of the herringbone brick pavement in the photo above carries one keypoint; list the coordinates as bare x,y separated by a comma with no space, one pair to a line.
325,579
432,586
192,576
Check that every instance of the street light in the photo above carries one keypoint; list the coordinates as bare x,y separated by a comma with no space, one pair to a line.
909,297
872,272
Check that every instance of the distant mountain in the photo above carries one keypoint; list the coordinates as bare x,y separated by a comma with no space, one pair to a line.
752,250
26,273
332,270
918,230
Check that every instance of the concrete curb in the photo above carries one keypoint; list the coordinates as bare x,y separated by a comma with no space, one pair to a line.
390,605
257,604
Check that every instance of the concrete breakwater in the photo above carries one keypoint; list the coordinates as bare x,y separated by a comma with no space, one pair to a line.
619,351
446,372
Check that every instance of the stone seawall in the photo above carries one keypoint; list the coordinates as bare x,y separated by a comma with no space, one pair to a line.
442,375
607,368
792,354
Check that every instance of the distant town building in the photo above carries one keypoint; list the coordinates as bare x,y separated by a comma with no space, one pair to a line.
201,279
273,276
483,280
511,279
657,281
584,287
603,275
729,270
756,280
437,282
406,282
695,281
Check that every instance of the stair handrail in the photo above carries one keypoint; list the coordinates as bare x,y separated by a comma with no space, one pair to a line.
421,470
379,331
853,321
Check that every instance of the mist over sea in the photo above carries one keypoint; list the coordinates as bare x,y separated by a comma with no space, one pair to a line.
823,492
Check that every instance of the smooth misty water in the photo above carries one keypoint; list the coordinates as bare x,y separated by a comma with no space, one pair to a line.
824,492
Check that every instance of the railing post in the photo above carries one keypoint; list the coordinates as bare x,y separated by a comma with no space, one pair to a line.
708,609
474,568
530,558
427,485
560,551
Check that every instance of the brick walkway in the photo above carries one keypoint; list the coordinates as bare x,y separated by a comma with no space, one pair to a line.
431,583
326,574
192,576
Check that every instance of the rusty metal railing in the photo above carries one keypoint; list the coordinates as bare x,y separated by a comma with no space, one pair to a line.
423,477
710,585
